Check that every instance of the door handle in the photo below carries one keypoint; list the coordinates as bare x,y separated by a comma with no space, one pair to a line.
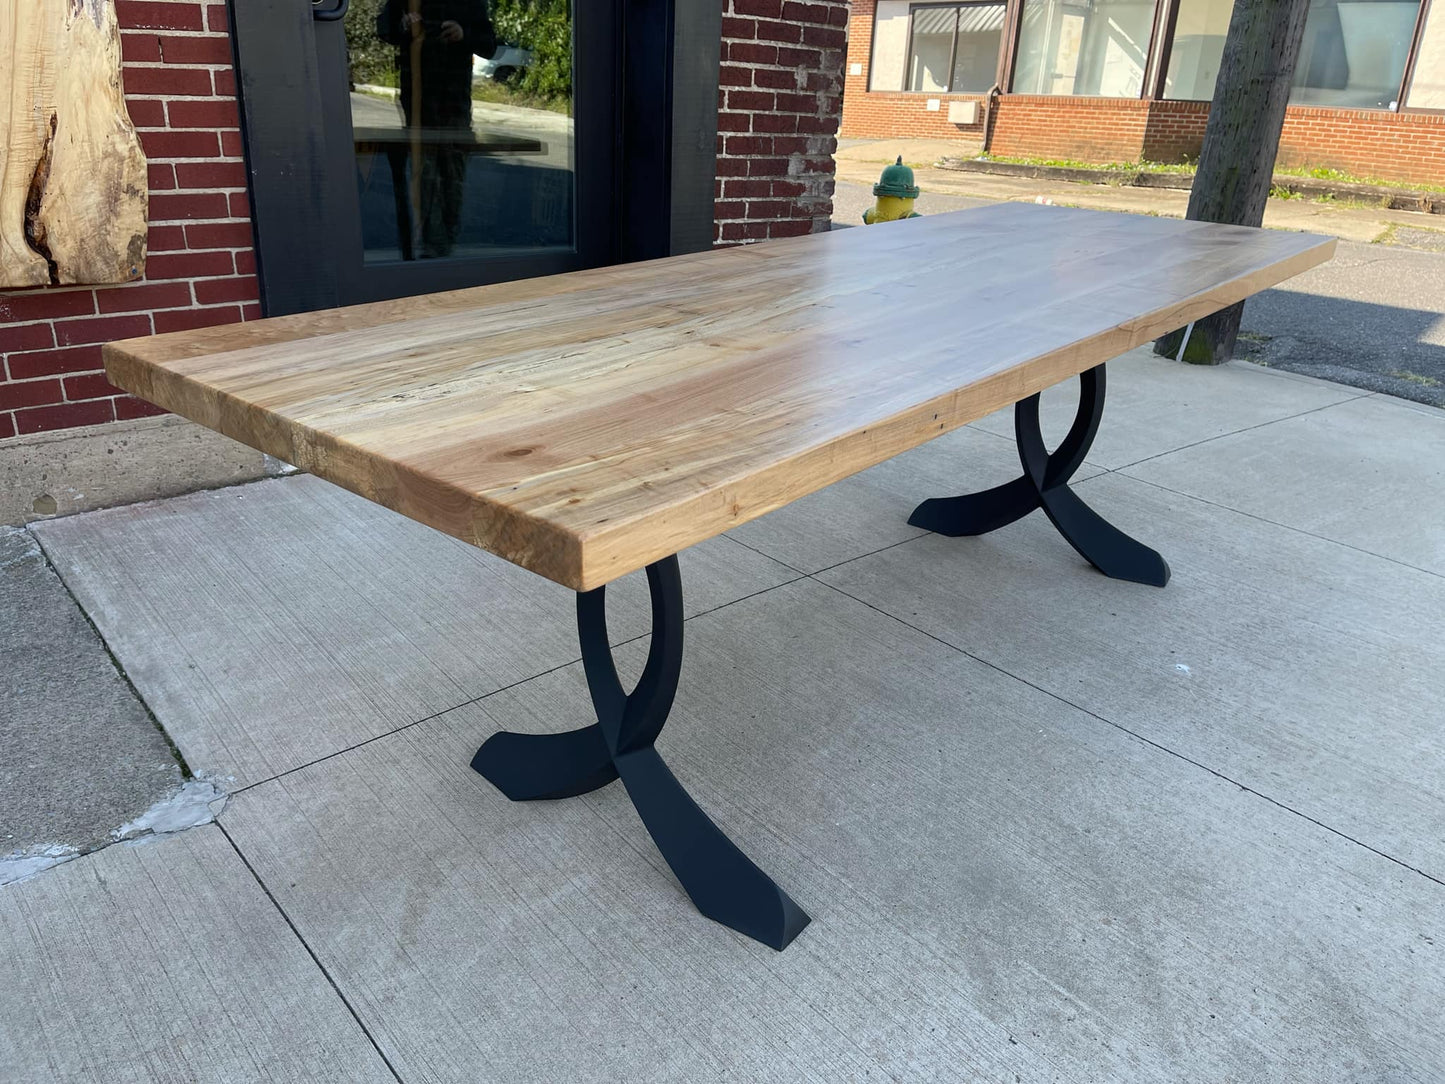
331,14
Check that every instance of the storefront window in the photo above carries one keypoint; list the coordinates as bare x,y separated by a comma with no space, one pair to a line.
1090,47
890,45
1198,48
1354,53
1427,88
935,48
955,49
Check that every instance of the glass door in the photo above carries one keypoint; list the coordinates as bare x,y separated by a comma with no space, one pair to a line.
464,145
400,147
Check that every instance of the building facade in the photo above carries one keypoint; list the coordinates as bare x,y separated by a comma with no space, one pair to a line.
297,160
1130,80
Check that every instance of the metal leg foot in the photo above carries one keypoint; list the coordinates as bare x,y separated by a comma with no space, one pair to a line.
1045,485
977,513
723,882
529,767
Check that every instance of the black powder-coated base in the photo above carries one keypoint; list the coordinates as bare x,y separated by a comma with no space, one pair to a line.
1045,485
722,881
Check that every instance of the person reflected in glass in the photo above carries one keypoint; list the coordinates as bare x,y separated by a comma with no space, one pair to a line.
437,40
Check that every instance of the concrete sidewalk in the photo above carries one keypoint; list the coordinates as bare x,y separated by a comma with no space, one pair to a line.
1050,827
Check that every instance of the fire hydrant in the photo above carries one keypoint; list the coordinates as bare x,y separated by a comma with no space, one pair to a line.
896,192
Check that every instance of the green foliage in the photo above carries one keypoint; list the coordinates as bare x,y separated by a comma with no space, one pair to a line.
1141,166
1325,173
371,60
545,28
542,26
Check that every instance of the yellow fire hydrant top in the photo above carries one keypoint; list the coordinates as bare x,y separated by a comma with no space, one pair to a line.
895,192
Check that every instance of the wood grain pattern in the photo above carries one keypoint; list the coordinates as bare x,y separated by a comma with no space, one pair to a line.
73,188
584,425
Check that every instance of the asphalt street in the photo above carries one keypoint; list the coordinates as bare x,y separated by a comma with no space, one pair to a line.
1373,318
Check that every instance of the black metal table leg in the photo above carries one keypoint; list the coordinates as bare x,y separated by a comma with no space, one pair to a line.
1045,485
722,881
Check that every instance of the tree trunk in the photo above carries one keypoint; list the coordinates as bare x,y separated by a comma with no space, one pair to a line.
1236,163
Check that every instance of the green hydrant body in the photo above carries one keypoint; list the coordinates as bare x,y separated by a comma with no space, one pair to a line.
895,192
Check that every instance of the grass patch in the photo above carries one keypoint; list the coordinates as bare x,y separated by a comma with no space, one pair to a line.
489,90
1415,378
1324,173
1112,167
1314,173
483,90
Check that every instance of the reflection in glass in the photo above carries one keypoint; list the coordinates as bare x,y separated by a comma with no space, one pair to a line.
1354,53
980,36
932,48
1198,49
462,126
1085,47
967,38
890,45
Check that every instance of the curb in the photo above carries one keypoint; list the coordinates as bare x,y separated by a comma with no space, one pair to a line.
1394,199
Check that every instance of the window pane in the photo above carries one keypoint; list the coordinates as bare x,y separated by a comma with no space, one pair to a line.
1093,47
1354,53
1198,48
1427,89
931,48
890,45
980,37
462,126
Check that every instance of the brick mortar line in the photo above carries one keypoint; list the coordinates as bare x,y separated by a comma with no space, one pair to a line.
132,313
122,287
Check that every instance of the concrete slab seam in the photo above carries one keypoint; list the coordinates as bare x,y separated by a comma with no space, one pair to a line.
296,932
192,804
1246,429
1273,523
1141,738
175,751
506,688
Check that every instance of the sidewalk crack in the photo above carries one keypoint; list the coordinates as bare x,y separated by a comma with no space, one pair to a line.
312,953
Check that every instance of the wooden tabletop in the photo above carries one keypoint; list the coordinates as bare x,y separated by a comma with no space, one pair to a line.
585,425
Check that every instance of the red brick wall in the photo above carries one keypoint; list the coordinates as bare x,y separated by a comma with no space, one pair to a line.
1366,142
1054,126
1174,131
893,114
779,96
181,94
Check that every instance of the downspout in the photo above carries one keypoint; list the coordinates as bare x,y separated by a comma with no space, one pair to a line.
995,92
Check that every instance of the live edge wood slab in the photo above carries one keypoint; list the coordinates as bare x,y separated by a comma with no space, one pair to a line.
586,425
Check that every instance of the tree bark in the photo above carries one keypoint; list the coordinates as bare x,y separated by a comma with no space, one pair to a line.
1241,142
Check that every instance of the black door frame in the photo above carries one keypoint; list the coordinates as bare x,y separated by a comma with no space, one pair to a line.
662,151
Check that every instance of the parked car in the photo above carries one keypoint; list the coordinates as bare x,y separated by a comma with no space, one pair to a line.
506,62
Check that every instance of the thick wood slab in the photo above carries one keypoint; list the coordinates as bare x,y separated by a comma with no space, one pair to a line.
587,424
73,190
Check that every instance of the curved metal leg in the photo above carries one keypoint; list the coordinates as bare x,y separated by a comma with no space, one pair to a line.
1045,485
977,513
722,882
529,767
